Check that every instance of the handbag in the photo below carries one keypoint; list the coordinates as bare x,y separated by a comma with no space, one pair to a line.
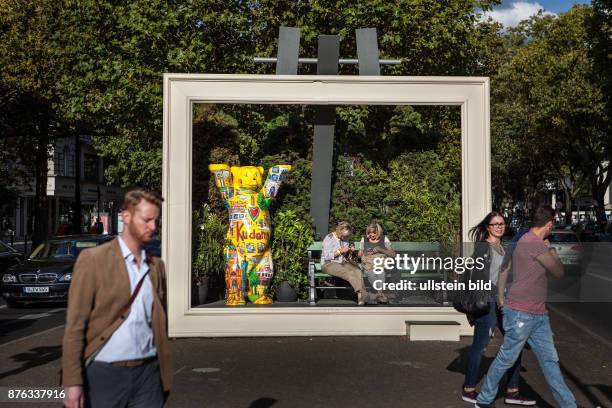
474,303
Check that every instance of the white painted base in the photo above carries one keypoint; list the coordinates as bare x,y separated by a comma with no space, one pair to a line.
432,332
307,321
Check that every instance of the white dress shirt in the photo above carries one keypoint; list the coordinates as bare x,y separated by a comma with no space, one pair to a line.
133,339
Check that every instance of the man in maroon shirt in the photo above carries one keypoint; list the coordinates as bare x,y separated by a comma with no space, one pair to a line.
525,316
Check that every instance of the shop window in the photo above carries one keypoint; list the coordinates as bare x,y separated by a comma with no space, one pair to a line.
59,164
91,167
64,163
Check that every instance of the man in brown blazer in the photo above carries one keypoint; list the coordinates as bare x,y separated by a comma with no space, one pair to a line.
115,348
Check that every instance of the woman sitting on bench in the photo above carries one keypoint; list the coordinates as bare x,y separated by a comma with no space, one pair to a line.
375,245
334,262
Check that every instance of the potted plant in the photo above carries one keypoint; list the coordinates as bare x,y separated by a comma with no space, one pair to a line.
291,238
209,231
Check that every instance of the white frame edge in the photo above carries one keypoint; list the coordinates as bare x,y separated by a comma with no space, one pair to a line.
181,91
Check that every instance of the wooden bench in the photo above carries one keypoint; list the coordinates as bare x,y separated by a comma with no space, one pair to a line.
317,276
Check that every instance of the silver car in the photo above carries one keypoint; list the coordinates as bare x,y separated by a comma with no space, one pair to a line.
568,247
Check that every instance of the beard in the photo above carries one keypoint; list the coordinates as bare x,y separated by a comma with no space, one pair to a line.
143,237
146,238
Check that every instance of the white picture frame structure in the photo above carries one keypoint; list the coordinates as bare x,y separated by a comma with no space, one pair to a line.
181,91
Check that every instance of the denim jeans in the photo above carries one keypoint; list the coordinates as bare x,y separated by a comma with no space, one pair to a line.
483,328
521,328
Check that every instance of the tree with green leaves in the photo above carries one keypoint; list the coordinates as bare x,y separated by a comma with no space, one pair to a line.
28,74
111,58
115,54
549,110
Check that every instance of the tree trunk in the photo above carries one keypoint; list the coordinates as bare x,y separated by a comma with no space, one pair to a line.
599,193
569,200
599,184
41,204
77,219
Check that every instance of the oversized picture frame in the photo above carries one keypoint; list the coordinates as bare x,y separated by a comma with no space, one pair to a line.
182,91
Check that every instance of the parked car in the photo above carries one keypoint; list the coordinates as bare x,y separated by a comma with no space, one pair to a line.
606,235
586,232
572,253
46,274
602,232
568,247
8,257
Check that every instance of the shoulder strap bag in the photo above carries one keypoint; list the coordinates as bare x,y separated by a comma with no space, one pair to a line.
119,315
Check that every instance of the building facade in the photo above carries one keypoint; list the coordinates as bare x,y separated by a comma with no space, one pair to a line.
97,198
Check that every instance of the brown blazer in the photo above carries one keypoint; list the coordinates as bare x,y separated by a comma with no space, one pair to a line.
100,287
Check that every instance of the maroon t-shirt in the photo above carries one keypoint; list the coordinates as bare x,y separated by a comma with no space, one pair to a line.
529,283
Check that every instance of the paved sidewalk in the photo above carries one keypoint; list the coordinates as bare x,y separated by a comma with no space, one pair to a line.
332,371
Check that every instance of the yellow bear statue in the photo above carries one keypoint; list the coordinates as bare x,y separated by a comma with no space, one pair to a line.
248,256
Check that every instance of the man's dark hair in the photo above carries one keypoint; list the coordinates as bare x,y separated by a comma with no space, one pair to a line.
542,215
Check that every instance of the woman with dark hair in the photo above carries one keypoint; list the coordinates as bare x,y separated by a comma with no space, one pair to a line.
487,237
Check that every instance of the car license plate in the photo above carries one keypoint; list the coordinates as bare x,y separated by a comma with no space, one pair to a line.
36,289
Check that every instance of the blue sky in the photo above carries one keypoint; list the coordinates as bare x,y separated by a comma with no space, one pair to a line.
555,6
510,12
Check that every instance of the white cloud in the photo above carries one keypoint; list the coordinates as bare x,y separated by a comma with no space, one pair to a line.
511,16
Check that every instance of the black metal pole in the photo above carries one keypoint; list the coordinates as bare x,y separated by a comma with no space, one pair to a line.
323,140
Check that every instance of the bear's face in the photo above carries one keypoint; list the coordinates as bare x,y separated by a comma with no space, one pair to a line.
249,177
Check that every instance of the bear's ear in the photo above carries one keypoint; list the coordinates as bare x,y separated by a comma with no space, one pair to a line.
235,170
261,170
215,167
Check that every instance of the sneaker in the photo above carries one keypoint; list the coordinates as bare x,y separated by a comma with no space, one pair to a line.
469,396
481,405
515,398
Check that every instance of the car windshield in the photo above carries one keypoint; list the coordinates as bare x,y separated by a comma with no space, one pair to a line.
62,249
562,238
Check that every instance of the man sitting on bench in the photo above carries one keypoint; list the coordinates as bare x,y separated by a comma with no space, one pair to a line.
334,262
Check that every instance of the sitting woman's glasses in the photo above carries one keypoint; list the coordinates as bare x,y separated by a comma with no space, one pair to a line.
498,225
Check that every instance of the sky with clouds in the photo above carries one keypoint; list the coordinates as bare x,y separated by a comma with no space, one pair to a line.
510,12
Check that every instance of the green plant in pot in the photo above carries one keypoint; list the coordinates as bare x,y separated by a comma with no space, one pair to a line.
291,238
209,239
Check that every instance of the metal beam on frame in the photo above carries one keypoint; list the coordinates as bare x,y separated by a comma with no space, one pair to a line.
328,54
341,61
288,50
327,61
323,142
367,51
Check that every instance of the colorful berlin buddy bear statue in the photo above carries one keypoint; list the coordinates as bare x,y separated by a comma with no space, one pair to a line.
248,255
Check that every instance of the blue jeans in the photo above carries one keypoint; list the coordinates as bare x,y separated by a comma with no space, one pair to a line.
483,327
521,328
